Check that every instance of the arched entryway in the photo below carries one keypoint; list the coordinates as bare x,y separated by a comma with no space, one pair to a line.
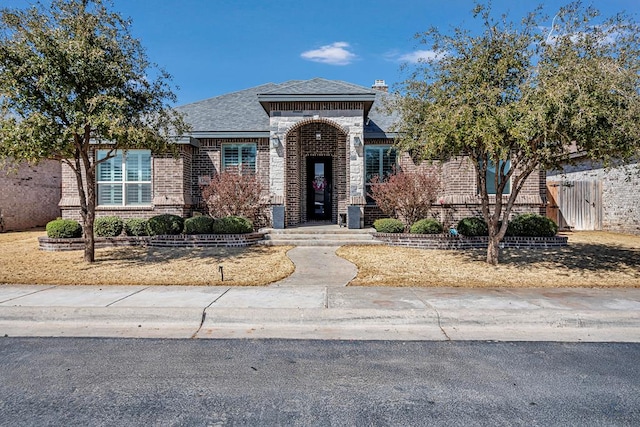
316,172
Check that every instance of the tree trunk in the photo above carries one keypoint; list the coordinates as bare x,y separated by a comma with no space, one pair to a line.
89,240
493,250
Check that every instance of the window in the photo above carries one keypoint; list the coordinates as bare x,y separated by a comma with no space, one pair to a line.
491,177
380,161
125,179
241,157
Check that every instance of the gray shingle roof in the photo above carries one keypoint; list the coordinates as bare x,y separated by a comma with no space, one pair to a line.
241,111
319,86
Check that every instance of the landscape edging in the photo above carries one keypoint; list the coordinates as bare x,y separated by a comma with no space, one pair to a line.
447,242
179,240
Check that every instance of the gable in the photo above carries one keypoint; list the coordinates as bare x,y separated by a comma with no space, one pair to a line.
247,111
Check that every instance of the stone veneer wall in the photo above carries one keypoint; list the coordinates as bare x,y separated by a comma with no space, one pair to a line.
301,144
620,192
295,132
29,194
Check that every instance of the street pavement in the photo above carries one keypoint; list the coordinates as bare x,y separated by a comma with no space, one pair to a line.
315,303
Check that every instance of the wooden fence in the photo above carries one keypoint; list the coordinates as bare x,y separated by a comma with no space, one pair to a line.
575,205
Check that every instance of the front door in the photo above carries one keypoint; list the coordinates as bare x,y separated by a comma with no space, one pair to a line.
319,188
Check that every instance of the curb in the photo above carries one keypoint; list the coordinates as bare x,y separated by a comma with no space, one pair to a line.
322,323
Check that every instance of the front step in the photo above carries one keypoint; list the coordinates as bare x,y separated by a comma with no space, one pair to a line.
318,236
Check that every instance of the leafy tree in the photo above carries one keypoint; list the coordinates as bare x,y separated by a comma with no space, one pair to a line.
73,77
524,94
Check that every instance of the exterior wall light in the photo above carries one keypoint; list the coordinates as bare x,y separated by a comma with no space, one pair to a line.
357,142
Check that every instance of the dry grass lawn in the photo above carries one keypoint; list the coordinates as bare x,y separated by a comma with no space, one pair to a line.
22,262
592,259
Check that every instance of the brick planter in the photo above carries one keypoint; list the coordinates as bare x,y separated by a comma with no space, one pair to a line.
77,244
440,241
206,240
180,240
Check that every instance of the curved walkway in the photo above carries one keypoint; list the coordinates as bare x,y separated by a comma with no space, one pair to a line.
318,266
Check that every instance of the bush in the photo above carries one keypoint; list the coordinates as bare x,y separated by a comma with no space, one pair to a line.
407,196
388,225
108,226
472,226
198,225
532,225
165,224
426,226
232,225
136,227
63,229
236,194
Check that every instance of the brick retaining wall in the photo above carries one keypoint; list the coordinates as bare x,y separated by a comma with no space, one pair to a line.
438,241
177,241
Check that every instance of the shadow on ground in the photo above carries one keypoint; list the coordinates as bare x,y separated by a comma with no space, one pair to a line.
144,256
577,256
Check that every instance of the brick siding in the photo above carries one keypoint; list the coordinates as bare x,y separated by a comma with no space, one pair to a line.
301,144
30,195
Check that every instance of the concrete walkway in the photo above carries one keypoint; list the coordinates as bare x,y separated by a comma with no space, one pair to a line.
315,304
318,266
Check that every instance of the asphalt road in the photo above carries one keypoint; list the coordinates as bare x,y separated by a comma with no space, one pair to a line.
86,381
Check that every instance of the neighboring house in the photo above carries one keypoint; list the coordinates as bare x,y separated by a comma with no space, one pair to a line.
314,144
587,196
29,195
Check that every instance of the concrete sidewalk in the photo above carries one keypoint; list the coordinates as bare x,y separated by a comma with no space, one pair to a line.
314,303
321,312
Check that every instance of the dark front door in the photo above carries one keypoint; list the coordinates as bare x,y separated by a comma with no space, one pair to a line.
319,188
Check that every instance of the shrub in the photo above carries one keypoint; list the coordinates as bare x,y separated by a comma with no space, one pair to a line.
426,226
136,227
388,225
472,226
198,225
165,224
407,196
63,229
108,226
236,194
532,225
232,225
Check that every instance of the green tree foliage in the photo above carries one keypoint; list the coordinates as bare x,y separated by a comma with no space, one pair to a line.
71,77
524,93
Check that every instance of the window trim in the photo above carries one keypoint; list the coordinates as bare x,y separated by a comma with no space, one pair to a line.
239,146
486,178
124,181
382,148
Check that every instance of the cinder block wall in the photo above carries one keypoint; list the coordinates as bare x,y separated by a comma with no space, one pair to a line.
29,195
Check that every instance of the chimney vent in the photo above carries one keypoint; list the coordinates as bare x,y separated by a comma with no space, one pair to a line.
380,85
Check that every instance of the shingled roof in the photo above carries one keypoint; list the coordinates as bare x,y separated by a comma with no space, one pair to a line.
246,111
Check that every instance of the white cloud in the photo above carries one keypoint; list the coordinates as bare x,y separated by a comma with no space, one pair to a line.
333,54
418,56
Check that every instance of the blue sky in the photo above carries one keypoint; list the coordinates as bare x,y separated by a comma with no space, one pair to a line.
212,47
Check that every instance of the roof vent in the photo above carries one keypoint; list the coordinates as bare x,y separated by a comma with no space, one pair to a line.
380,85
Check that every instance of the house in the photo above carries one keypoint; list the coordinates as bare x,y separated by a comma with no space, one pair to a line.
315,144
30,194
587,196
